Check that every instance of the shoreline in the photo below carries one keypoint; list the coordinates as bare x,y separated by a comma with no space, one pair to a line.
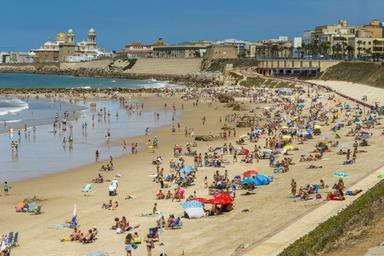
115,143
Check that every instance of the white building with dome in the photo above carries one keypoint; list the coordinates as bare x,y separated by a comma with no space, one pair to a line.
65,49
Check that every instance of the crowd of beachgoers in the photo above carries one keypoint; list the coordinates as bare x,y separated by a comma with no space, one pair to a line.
287,119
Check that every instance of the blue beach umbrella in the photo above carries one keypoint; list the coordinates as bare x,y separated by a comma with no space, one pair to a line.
310,131
185,170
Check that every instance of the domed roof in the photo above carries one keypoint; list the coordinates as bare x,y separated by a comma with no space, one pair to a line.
92,30
60,36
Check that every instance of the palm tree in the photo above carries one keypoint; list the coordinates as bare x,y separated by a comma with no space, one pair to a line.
350,51
359,42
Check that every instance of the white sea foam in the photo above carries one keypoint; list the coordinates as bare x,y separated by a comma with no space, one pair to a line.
11,106
160,84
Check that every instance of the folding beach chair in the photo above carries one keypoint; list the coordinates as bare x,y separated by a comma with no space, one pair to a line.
15,239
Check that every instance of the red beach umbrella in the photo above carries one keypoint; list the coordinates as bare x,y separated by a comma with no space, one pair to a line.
250,173
222,199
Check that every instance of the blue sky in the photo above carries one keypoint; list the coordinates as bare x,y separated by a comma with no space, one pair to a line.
25,24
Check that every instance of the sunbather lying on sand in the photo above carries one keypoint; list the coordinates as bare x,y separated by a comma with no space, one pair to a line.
314,166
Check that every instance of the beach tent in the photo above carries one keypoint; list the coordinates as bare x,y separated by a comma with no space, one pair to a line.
194,209
249,173
248,181
261,180
195,213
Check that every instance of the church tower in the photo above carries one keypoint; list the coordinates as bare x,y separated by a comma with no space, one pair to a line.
92,37
71,36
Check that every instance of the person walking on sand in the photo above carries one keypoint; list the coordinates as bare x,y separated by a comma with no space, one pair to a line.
97,155
149,244
6,188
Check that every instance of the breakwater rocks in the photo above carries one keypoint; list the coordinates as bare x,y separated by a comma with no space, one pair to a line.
194,79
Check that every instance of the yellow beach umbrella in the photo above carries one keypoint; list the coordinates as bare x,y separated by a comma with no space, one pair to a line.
289,147
287,137
317,127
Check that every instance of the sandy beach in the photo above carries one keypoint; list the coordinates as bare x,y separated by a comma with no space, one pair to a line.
254,217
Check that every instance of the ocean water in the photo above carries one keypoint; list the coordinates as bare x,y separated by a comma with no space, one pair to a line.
40,150
23,80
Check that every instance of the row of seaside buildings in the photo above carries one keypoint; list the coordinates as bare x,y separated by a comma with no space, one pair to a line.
339,41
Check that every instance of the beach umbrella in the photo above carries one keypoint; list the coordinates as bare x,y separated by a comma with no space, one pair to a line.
310,131
289,147
185,170
222,198
300,105
287,137
247,181
192,204
249,173
339,124
284,127
244,136
364,132
318,127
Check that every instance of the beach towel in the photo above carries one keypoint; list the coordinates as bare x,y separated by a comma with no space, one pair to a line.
340,174
98,253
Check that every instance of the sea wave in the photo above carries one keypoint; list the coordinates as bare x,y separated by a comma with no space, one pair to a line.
153,83
11,106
